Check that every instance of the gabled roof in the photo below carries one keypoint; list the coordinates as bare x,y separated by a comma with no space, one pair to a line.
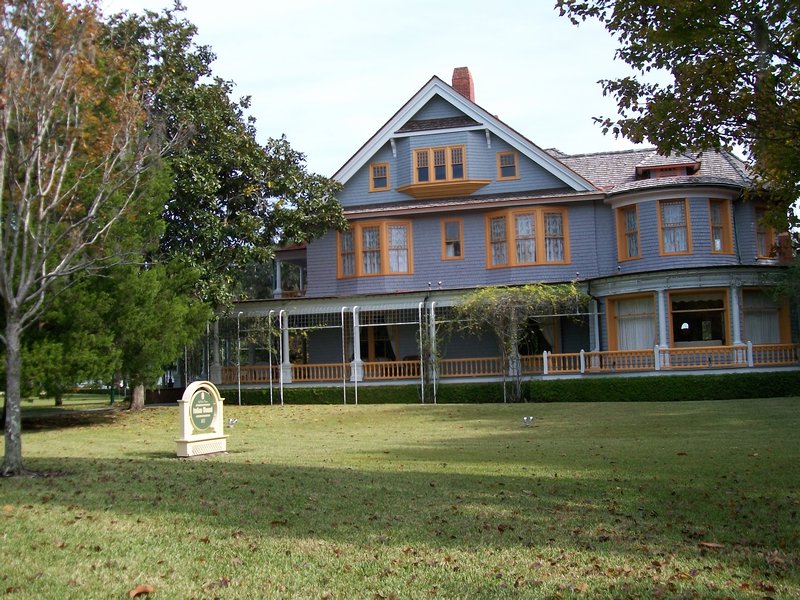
402,124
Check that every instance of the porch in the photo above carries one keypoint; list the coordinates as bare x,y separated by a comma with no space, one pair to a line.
663,360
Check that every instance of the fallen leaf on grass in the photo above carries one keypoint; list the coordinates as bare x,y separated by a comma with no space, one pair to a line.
140,590
713,545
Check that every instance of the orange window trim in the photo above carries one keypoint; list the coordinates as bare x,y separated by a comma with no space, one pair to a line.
688,219
500,156
611,315
460,223
375,167
430,163
622,237
539,223
725,215
691,292
383,228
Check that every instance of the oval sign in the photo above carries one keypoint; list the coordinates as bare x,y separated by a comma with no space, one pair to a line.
202,410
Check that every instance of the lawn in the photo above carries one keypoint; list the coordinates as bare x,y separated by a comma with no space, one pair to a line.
678,500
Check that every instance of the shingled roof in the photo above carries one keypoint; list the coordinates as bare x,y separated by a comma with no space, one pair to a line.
615,172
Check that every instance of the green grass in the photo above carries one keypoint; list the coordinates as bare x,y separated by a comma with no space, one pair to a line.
75,401
628,500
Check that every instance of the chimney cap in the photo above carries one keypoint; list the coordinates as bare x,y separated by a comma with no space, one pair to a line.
463,84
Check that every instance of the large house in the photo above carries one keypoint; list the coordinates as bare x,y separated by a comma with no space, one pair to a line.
445,198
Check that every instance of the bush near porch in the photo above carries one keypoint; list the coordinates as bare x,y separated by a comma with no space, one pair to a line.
664,388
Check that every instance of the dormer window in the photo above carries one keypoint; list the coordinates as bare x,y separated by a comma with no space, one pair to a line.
439,164
379,177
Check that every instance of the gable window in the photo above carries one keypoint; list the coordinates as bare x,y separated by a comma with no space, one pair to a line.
451,239
507,165
674,224
765,236
719,217
439,164
375,248
628,232
379,177
527,237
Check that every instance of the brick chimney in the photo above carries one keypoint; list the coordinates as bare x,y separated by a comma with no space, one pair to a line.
462,83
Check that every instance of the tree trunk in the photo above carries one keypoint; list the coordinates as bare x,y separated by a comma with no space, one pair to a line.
59,400
12,461
137,397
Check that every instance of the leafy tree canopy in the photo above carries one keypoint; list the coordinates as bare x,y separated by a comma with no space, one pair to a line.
735,79
233,200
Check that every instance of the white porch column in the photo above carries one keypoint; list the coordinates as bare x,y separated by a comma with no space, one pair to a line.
663,319
286,364
595,326
357,366
215,369
736,322
277,292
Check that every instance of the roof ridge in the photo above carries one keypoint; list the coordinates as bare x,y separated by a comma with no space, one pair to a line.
608,152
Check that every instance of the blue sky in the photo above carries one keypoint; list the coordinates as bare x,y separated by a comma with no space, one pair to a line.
328,74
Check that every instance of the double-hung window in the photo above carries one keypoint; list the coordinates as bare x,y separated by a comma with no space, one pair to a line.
452,239
719,218
765,236
628,232
379,177
674,223
507,165
375,248
527,237
445,163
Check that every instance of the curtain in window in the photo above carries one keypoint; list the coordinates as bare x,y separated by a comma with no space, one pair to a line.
398,249
631,233
761,318
498,238
371,249
673,224
525,239
348,254
554,237
636,328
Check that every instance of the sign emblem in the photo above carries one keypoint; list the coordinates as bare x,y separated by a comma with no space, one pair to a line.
202,409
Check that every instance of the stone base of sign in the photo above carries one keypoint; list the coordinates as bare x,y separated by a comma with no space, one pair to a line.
201,421
196,447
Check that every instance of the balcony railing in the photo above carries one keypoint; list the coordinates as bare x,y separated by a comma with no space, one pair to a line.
575,363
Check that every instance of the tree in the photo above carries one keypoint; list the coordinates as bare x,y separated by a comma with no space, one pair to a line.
72,157
233,200
734,69
155,315
506,313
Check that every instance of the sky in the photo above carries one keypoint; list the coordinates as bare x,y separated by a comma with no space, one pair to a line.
329,73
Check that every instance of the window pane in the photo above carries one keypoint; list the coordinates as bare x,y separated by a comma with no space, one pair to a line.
422,165
452,239
631,232
525,238
398,249
673,223
379,176
371,250
508,165
439,164
498,241
554,237
457,163
347,253
636,328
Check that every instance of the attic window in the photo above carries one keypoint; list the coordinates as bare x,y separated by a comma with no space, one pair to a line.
379,177
507,165
668,172
447,164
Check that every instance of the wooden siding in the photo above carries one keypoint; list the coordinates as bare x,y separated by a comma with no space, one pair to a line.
436,108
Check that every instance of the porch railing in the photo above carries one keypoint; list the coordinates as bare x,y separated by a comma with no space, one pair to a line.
624,361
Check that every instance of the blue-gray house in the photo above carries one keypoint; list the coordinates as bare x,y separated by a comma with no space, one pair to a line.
445,198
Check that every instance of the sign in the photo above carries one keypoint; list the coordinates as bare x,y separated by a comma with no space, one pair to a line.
201,421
